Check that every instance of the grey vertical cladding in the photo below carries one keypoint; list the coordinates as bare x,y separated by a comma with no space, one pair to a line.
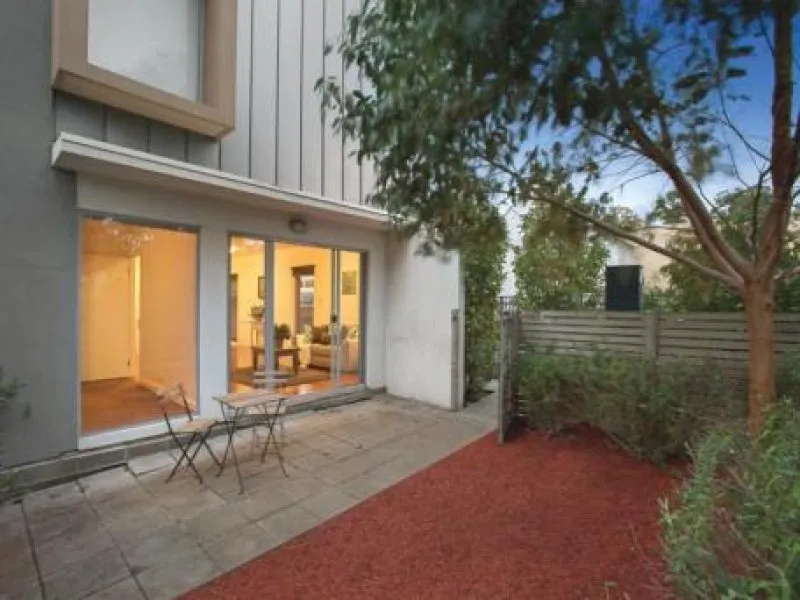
235,151
264,118
75,115
352,170
126,129
203,151
281,136
313,50
290,62
166,140
332,142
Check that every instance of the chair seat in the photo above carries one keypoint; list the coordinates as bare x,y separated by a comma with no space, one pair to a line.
196,426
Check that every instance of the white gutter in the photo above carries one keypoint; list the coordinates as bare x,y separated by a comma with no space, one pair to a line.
83,155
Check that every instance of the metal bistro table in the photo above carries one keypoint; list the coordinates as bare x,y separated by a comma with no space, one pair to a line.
264,406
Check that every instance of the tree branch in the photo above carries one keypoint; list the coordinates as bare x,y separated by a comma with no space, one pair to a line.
625,235
787,273
726,258
783,147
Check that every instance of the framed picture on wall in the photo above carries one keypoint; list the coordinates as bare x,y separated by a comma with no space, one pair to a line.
262,285
349,283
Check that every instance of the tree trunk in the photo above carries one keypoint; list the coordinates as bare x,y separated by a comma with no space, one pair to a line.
761,342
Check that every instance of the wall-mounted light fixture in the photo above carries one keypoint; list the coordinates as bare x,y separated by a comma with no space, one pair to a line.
298,225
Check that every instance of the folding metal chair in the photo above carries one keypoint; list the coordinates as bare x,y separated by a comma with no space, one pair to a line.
197,431
273,381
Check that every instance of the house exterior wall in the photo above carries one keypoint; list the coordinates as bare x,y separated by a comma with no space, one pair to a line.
421,294
621,252
216,222
38,246
280,137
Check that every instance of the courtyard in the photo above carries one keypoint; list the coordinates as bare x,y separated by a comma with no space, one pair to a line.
127,533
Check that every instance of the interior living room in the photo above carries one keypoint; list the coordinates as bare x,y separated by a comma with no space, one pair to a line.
138,292
314,289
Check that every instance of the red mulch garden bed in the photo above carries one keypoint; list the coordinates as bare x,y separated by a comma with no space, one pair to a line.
537,518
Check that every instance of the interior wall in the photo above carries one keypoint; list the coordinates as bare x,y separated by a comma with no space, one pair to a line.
289,256
168,318
248,266
350,305
107,317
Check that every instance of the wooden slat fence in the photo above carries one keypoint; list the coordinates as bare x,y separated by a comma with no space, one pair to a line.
701,336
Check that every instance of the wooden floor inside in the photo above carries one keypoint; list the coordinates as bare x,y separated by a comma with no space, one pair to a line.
346,379
116,403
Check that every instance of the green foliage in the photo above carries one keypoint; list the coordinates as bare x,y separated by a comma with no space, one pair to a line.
457,92
483,279
740,218
653,410
282,332
555,271
9,388
734,532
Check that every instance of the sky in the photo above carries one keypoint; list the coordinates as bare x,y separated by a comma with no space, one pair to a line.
753,119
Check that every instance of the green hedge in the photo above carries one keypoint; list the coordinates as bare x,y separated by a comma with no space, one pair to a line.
652,410
483,280
734,532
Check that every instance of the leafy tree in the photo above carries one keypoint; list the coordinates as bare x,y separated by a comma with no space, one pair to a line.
510,96
688,290
483,280
560,263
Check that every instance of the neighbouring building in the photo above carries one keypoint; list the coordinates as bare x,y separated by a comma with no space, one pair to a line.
175,208
622,253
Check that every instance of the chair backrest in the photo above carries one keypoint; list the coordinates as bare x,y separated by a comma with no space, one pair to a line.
174,395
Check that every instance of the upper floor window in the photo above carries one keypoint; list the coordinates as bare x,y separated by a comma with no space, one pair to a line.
151,41
173,61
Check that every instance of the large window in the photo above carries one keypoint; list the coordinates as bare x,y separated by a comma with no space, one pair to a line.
138,318
169,60
164,52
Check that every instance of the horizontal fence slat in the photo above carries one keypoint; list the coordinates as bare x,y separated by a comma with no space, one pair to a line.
567,344
692,337
539,328
586,314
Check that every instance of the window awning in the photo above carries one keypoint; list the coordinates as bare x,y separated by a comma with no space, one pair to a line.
84,155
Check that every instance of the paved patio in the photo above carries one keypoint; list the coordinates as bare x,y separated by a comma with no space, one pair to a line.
125,533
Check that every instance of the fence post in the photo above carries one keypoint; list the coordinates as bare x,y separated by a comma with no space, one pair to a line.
456,399
651,326
501,380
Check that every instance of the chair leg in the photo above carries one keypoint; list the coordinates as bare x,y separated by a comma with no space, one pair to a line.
204,442
183,456
191,458
273,438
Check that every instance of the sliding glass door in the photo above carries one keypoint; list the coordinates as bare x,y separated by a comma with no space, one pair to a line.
347,312
294,309
247,308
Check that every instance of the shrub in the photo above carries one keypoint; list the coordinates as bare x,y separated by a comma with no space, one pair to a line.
483,279
651,409
736,530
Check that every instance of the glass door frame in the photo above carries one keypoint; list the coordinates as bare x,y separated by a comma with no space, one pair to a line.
268,318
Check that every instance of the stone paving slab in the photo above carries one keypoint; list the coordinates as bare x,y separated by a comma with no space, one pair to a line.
126,533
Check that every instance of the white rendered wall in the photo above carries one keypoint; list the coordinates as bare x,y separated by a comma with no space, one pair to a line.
421,294
216,221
